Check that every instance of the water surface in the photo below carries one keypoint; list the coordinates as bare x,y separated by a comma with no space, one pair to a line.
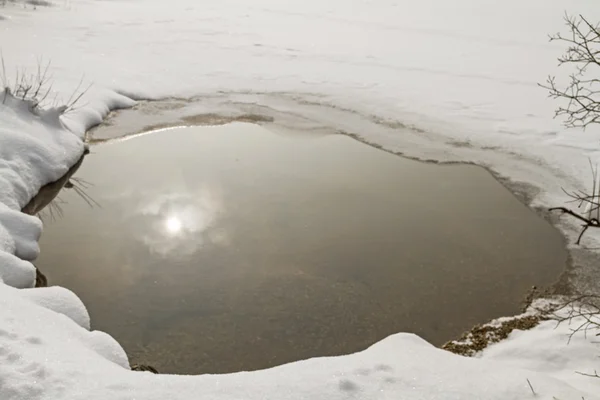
219,249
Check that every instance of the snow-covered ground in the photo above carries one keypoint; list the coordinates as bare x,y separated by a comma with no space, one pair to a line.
430,79
463,74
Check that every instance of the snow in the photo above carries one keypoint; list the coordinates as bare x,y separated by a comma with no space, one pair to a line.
47,356
60,300
430,79
34,150
450,81
550,352
16,272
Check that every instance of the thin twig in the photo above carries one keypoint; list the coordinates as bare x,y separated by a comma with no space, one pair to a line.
531,387
594,375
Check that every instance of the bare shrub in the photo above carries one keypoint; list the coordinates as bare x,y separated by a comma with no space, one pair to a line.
583,314
589,202
582,93
585,309
36,87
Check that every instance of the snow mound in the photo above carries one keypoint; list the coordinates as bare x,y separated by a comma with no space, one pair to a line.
24,231
60,300
37,325
16,272
41,351
35,149
401,366
548,349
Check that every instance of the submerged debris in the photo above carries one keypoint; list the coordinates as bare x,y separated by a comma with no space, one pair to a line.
40,278
144,367
531,295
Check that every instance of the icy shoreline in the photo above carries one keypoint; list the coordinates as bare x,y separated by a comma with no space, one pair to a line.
380,371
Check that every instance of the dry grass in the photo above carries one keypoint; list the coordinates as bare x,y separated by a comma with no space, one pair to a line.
581,313
36,87
481,336
34,3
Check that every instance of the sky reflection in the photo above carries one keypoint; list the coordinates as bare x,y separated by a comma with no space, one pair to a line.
181,223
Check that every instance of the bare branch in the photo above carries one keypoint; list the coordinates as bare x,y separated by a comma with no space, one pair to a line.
581,94
531,387
590,202
584,308
594,375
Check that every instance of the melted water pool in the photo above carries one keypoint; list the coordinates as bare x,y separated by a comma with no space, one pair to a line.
220,249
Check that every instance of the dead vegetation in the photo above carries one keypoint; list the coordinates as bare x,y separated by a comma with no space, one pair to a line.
580,313
481,336
36,87
144,368
579,104
580,97
588,202
25,3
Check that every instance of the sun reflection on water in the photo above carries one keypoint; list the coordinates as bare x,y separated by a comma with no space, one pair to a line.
173,225
181,223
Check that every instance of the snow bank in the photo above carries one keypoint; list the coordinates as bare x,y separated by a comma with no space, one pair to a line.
401,366
36,149
48,356
547,349
42,351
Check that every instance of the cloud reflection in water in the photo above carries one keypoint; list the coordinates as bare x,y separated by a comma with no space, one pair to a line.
182,223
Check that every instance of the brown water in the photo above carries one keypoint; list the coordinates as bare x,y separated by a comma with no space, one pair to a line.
230,248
